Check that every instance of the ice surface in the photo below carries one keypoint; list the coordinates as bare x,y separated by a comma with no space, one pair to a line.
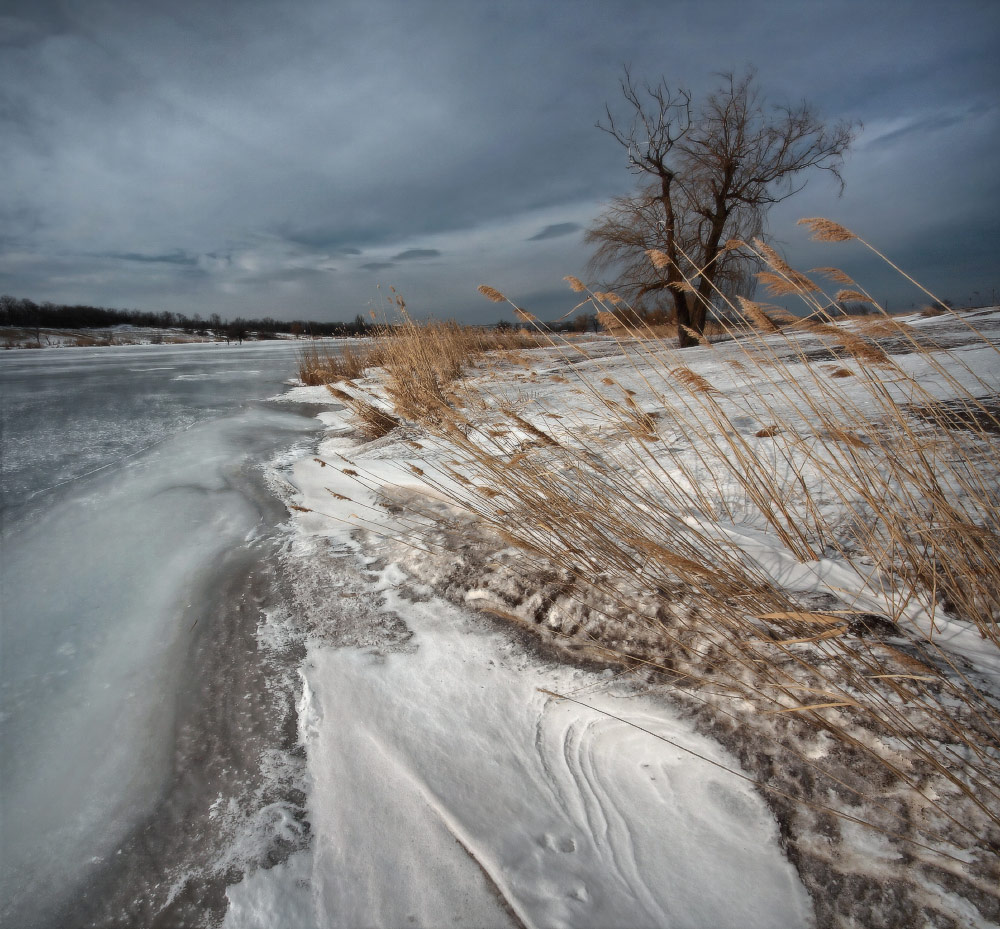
65,413
103,585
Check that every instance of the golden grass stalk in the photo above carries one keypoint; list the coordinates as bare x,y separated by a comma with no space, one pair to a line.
825,230
757,315
491,293
786,283
835,275
659,258
852,296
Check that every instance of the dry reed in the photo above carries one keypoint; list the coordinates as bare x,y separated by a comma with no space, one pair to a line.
326,365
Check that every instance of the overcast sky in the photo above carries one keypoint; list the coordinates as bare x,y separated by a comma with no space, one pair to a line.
284,158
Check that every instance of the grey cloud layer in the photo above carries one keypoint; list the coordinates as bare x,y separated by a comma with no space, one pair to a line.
416,253
286,153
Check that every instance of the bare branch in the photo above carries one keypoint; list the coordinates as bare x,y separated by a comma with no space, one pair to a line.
658,119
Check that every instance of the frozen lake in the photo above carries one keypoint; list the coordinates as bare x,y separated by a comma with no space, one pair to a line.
132,497
67,413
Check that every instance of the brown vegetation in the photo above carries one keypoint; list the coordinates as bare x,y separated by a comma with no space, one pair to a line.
327,365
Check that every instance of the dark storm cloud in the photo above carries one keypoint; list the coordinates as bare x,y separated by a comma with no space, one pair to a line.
295,275
174,258
26,23
547,304
416,253
258,137
327,238
17,32
555,231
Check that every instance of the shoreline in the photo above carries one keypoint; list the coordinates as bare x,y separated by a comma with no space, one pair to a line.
160,698
414,710
393,669
20,339
235,798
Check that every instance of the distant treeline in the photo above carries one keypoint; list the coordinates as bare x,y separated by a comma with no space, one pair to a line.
27,314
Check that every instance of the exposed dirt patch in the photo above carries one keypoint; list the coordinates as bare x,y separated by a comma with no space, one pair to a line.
983,415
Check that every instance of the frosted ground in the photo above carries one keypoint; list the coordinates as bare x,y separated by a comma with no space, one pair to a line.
473,757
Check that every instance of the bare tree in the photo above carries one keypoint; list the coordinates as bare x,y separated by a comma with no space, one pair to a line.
711,175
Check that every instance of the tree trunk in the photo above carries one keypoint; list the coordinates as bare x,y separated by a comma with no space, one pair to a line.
685,319
682,306
709,258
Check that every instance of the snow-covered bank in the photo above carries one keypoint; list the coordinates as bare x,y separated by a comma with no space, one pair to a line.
447,786
448,789
398,707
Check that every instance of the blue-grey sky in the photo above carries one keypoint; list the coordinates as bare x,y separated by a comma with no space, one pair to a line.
256,157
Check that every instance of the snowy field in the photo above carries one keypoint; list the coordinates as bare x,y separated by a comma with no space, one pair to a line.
478,755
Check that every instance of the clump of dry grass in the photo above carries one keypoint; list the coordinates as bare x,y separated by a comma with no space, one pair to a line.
422,360
419,364
324,365
373,421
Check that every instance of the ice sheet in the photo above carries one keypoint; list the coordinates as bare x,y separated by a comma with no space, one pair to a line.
103,589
